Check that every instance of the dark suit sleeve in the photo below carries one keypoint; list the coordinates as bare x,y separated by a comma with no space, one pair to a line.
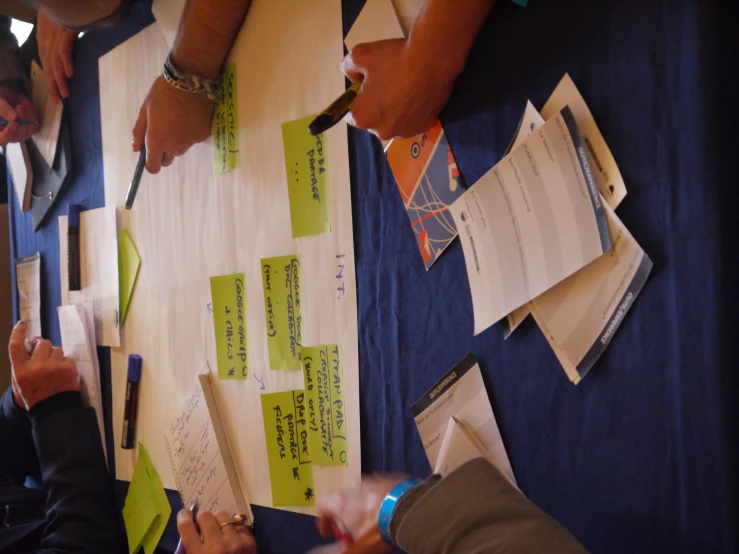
10,65
80,506
474,509
17,450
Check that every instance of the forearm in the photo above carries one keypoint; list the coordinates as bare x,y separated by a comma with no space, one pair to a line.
206,34
474,509
17,451
445,31
10,66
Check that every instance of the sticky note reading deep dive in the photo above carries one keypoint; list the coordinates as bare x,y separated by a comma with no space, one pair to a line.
228,294
323,374
306,163
288,451
226,124
282,283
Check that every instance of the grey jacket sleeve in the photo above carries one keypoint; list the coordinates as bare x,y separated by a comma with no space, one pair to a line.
10,64
474,510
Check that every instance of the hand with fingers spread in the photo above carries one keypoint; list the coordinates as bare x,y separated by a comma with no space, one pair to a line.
15,105
170,122
55,44
213,534
42,373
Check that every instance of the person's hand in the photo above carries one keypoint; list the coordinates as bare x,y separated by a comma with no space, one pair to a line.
15,105
403,90
170,122
42,374
355,512
55,45
214,538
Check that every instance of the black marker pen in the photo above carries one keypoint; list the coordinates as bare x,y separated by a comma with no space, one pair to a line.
128,437
73,246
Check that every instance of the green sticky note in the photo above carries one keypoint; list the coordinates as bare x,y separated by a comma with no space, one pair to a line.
228,295
140,510
282,284
129,263
226,124
156,530
306,163
323,374
288,451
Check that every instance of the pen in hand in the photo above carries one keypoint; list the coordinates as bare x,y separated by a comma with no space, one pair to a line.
180,547
4,122
133,188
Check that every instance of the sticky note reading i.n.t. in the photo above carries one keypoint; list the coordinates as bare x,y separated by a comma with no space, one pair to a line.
283,299
306,163
228,295
323,375
226,123
288,450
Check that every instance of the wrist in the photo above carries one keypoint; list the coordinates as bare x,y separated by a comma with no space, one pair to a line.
390,503
440,57
56,403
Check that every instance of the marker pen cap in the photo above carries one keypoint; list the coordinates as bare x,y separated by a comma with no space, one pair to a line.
134,368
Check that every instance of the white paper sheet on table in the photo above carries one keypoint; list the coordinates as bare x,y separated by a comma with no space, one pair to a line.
460,393
49,113
16,154
408,11
168,14
99,270
78,342
189,224
376,21
28,279
531,221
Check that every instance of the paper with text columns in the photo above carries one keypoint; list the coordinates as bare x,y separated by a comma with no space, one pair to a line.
228,295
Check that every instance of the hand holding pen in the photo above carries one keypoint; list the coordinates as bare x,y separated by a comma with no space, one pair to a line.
18,120
206,532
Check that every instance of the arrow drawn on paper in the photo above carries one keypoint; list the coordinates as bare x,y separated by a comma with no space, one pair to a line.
262,387
210,308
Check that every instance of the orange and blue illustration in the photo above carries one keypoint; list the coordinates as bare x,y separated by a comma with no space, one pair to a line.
429,182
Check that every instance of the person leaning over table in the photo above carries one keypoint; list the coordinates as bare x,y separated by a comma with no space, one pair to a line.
44,429
406,82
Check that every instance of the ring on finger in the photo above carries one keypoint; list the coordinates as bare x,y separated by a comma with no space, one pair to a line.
236,519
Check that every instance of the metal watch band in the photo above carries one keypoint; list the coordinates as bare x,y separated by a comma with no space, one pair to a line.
192,83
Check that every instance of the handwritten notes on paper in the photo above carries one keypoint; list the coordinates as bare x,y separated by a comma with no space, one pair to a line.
226,124
288,450
228,295
282,283
323,375
306,163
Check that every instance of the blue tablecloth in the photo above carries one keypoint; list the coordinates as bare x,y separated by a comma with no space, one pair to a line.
640,457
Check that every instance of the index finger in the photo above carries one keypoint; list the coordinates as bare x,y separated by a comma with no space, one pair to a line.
188,531
17,346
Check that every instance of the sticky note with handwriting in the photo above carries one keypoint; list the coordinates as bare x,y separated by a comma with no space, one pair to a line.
288,450
228,295
282,283
306,163
226,123
323,375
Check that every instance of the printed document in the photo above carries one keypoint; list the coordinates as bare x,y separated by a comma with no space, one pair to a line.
28,278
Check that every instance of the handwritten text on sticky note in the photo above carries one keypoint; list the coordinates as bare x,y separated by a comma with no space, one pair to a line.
282,283
323,375
288,450
228,294
226,123
306,163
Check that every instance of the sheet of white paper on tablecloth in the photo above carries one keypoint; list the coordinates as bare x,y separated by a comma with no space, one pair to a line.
14,155
376,21
408,11
49,114
168,14
190,224
78,342
28,279
98,270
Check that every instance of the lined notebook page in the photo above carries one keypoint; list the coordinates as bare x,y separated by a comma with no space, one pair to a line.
196,461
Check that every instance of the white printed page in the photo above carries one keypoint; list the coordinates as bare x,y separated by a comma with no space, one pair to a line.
533,220
28,279
99,270
460,393
580,315
78,342
196,461
49,113
606,172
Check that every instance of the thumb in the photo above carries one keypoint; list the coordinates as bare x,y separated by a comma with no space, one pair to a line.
17,346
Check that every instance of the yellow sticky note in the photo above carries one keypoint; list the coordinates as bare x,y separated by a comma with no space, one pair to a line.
140,510
226,124
282,284
228,295
288,451
156,530
323,375
306,163
129,263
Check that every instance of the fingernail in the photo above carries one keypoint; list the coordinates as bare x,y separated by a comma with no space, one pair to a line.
20,322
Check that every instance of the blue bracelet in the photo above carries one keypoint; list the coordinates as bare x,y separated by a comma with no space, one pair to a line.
388,506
